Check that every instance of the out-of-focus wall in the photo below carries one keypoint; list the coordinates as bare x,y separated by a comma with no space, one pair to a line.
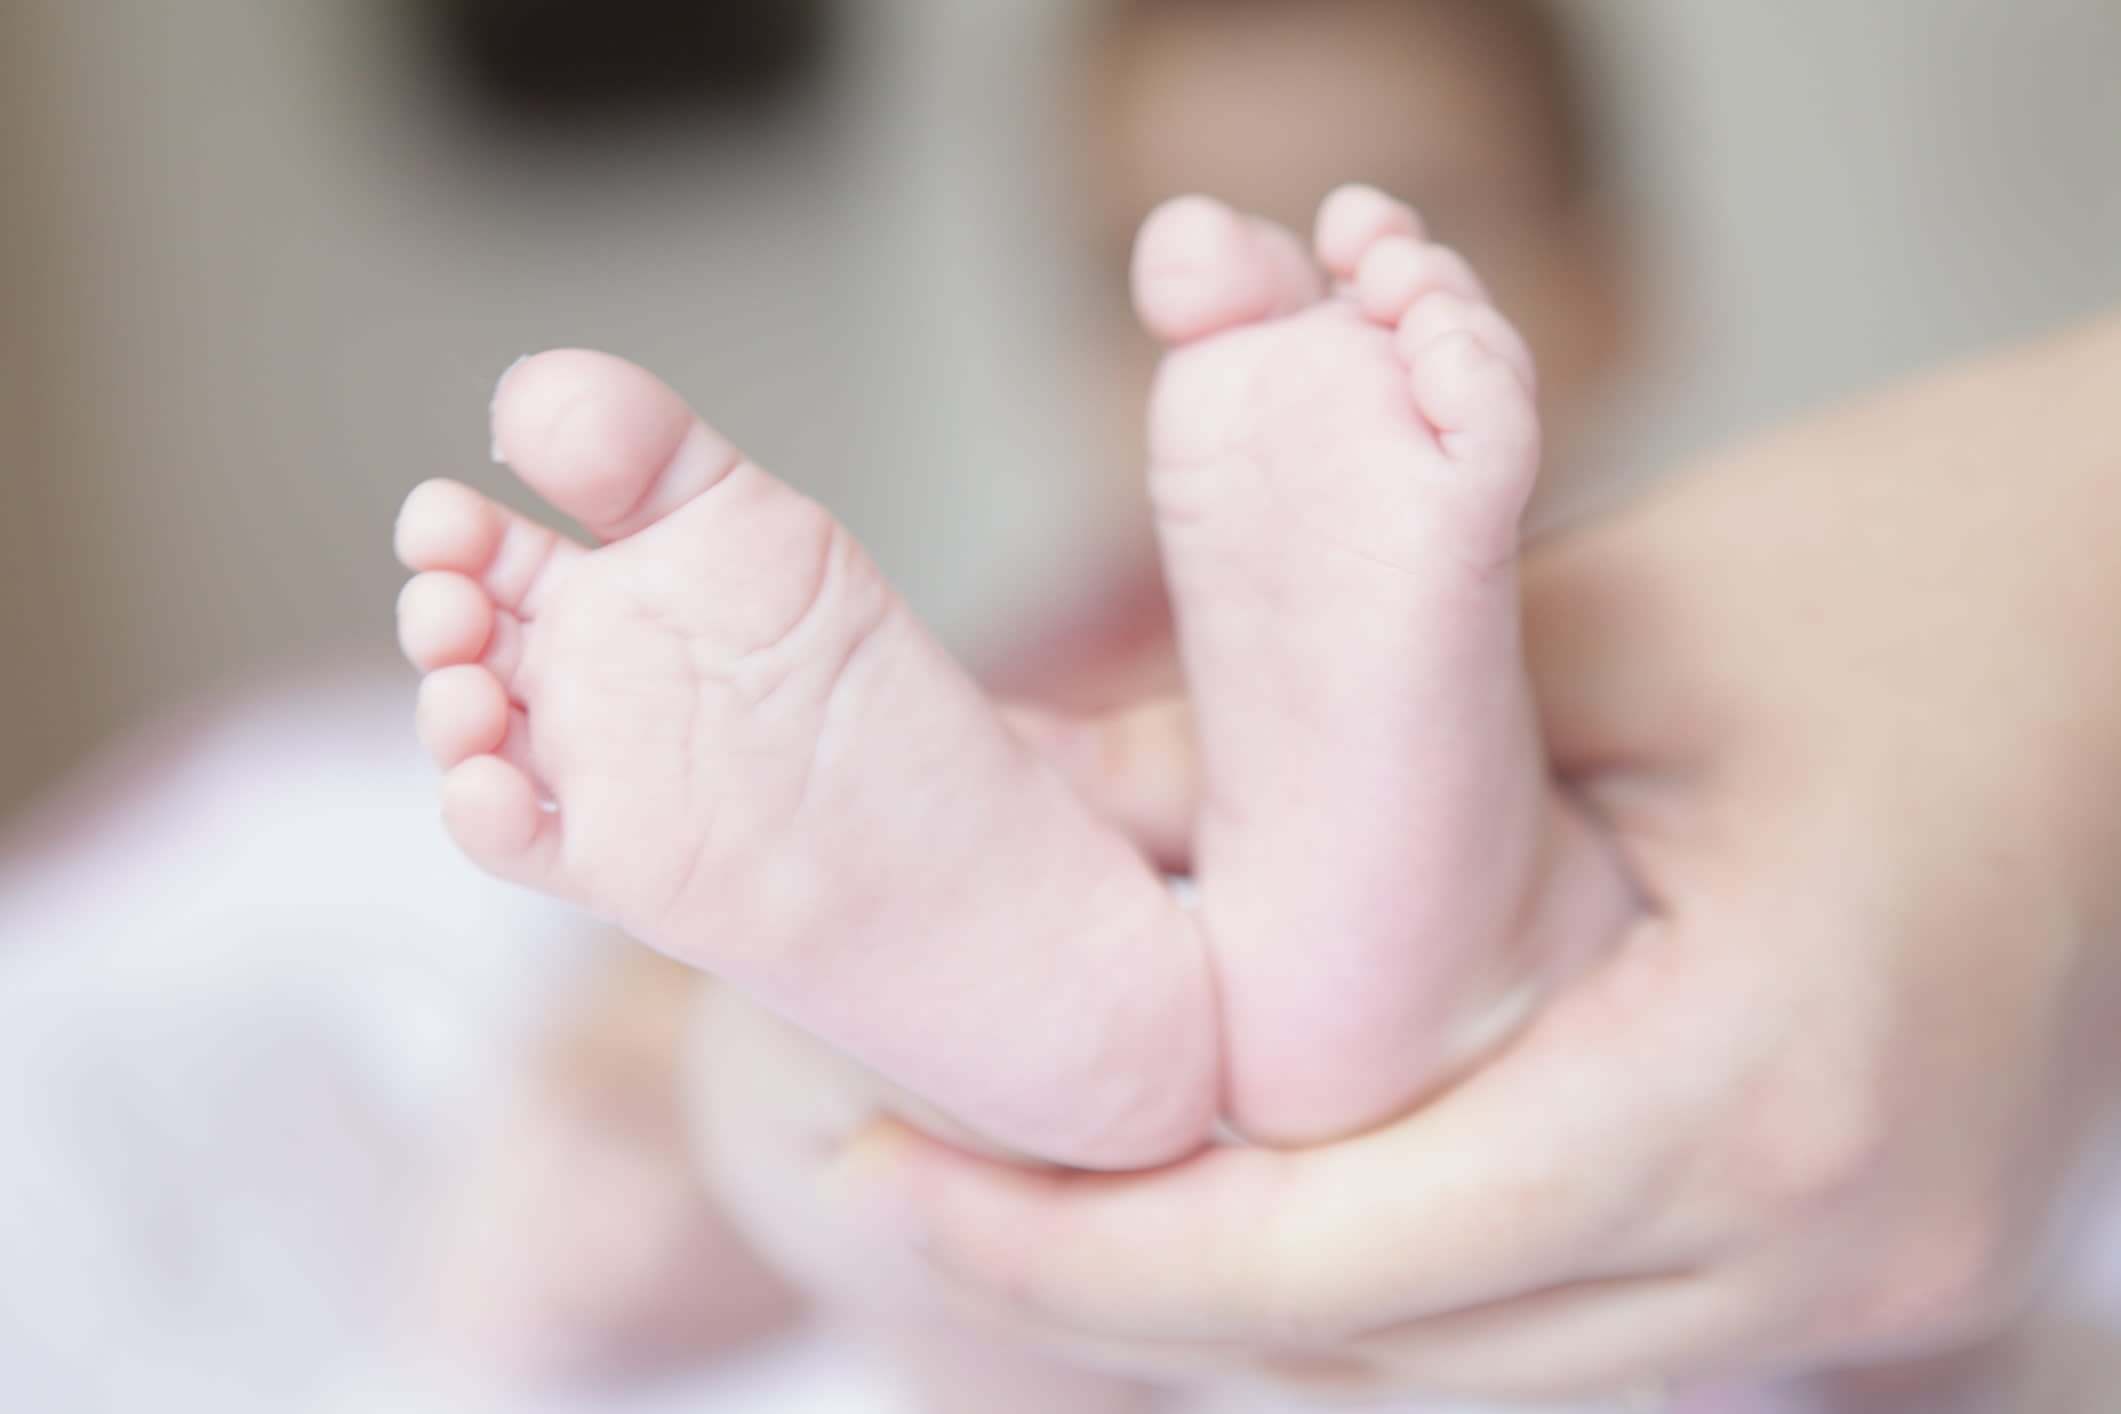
256,283
35,676
270,280
1842,192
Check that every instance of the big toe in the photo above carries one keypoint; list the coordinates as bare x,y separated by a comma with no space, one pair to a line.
603,440
1201,268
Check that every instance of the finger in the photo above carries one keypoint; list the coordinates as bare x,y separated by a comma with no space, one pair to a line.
1588,1340
1531,1174
1138,768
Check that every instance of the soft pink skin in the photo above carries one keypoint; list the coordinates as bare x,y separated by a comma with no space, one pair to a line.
1338,481
758,762
762,765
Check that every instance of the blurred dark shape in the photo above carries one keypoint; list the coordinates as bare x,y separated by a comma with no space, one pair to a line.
588,61
1538,34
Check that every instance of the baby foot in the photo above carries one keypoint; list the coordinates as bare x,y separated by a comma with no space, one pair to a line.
1338,480
723,731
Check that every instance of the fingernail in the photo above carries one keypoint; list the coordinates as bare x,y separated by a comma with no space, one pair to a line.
494,444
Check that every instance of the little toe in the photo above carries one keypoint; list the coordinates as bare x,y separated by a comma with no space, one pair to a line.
604,441
1354,219
492,811
447,526
444,619
1201,268
463,712
1398,271
1435,315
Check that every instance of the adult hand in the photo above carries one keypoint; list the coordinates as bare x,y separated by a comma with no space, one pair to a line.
1849,702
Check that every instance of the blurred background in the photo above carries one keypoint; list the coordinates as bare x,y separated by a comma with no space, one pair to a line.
261,263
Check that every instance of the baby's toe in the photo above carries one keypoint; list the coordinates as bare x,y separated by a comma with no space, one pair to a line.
1201,269
605,441
445,525
1353,220
1481,411
493,812
1441,313
1399,270
463,712
444,619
